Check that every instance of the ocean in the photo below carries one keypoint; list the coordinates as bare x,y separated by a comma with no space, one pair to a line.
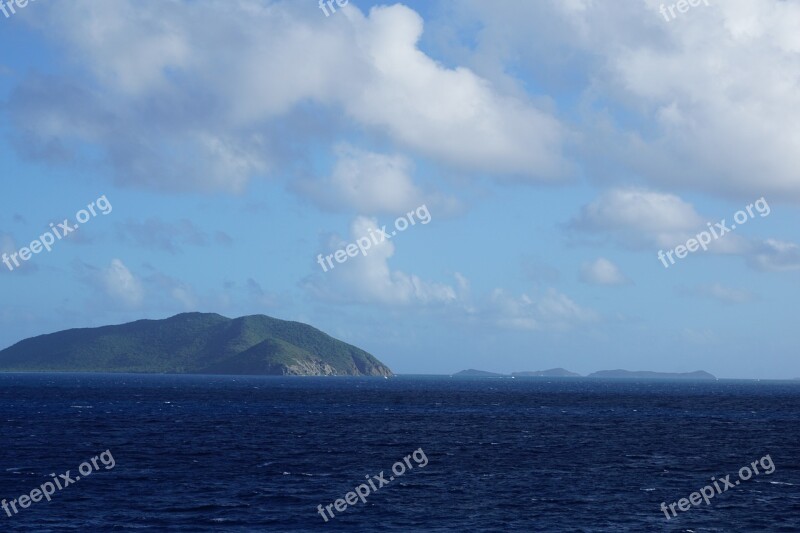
211,453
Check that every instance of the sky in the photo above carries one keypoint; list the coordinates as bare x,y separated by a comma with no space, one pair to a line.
562,162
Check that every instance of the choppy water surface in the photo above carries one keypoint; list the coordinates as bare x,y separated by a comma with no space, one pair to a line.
198,453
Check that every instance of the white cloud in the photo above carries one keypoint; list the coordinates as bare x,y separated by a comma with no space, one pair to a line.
641,219
776,256
367,182
369,279
552,311
648,220
451,114
175,103
601,271
708,101
120,284
101,33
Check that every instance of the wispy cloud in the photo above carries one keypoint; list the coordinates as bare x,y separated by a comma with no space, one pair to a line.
719,293
601,271
156,234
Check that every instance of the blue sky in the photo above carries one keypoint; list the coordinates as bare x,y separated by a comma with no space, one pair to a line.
557,146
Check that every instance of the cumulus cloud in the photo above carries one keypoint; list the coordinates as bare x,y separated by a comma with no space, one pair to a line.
552,311
120,284
154,93
367,182
451,114
647,220
726,131
601,271
709,100
369,278
642,219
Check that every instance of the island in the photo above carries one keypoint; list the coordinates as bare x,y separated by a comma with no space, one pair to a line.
602,374
477,373
552,373
194,343
627,374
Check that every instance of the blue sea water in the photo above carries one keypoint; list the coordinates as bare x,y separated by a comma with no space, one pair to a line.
203,453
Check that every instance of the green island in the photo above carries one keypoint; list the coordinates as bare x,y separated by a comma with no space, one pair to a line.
194,343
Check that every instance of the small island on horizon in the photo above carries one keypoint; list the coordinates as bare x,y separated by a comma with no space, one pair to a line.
604,374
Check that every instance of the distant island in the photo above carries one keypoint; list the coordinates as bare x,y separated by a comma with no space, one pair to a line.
627,374
552,373
605,374
194,343
477,373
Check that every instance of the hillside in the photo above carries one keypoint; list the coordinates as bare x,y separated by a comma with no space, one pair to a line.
194,343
